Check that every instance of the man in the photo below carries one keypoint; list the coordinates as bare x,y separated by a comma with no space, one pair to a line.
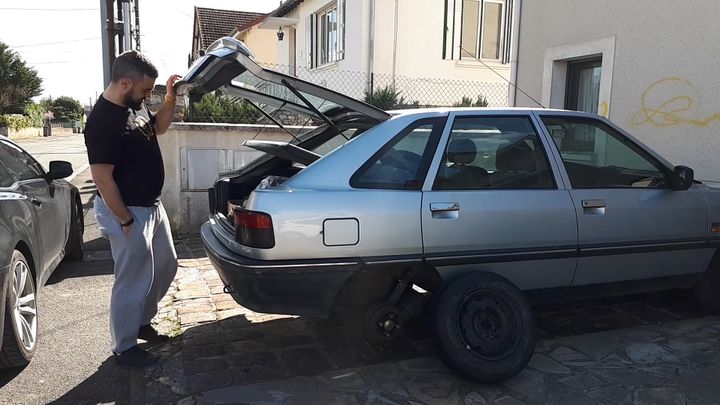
127,168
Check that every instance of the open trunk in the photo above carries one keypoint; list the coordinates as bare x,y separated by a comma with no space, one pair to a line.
229,66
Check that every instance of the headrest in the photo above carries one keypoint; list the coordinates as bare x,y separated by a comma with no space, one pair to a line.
516,157
461,151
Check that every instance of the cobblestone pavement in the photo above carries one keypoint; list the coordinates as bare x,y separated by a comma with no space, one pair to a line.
652,348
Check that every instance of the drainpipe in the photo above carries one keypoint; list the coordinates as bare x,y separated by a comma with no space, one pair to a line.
514,48
371,45
395,39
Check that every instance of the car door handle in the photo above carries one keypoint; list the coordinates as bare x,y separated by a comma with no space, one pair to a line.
593,204
36,202
444,206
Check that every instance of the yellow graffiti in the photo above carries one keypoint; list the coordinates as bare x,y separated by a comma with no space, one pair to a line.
604,109
670,102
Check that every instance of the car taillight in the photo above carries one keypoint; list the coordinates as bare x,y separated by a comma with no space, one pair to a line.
254,229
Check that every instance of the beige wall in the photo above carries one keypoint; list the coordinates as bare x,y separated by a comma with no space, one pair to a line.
32,132
187,210
417,54
662,85
263,44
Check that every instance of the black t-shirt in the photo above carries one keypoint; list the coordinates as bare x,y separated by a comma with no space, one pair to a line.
126,138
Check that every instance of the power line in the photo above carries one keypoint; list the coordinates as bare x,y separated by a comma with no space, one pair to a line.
55,43
48,9
51,63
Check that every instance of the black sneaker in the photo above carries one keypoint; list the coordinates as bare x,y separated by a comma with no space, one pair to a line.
135,357
150,335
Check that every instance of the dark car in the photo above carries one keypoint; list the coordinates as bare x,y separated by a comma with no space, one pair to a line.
41,223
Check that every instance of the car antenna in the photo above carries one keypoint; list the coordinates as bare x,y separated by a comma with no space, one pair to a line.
503,77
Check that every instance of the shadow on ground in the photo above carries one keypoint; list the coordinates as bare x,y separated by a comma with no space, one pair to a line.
237,350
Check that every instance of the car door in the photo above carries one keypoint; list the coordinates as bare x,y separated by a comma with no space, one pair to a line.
631,225
49,201
494,203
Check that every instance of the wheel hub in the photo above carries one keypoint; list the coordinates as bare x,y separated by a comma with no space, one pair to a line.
488,325
384,323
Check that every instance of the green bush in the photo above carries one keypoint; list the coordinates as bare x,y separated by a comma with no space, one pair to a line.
14,121
387,98
36,114
215,107
468,102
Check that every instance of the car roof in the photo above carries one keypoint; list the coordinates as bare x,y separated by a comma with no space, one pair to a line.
487,111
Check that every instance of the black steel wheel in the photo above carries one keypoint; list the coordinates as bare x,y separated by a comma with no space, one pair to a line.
483,327
706,289
74,249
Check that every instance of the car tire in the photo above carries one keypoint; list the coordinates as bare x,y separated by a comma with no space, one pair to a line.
706,290
483,327
74,249
20,335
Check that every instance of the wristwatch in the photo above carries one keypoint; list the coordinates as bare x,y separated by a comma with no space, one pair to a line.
128,223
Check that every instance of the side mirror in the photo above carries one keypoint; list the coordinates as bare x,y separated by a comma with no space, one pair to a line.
682,178
59,169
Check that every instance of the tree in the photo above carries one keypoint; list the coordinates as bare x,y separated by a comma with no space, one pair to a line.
18,82
67,109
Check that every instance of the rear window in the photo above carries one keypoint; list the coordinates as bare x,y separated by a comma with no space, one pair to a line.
403,163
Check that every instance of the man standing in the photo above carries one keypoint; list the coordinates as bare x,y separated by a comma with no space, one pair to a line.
127,168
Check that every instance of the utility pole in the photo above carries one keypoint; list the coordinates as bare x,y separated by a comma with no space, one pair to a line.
116,19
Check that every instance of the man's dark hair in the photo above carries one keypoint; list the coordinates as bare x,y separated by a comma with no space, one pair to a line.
132,65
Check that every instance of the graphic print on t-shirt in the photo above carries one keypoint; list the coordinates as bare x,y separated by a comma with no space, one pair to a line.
139,121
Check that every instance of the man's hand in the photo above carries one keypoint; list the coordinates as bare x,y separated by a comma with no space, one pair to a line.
170,86
127,229
164,116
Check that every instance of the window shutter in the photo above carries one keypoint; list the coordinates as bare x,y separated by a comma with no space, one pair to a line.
452,29
309,40
341,30
508,34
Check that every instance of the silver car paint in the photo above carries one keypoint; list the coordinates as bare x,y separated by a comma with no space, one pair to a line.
397,223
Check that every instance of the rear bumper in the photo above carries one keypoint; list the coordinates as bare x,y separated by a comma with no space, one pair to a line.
298,287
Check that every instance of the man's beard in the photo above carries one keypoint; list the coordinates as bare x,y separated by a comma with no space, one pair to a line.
132,103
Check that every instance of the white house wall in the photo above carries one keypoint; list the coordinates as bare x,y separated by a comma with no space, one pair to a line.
420,42
664,74
418,53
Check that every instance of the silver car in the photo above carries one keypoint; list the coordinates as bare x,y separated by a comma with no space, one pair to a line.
481,209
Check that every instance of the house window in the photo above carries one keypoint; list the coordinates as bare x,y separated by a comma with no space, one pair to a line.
583,85
327,38
477,29
482,29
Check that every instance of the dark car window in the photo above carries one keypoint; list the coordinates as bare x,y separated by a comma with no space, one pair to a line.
403,163
21,165
6,180
493,153
597,156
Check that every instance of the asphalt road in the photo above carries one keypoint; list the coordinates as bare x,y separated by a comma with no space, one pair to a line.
73,361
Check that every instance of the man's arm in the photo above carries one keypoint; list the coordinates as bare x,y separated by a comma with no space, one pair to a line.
102,175
164,116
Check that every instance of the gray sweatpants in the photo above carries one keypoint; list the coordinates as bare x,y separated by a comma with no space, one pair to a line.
145,265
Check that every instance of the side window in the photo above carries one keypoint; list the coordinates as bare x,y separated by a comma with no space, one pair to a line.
6,180
21,165
493,153
597,156
403,163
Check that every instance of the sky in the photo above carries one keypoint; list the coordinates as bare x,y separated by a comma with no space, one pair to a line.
61,39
